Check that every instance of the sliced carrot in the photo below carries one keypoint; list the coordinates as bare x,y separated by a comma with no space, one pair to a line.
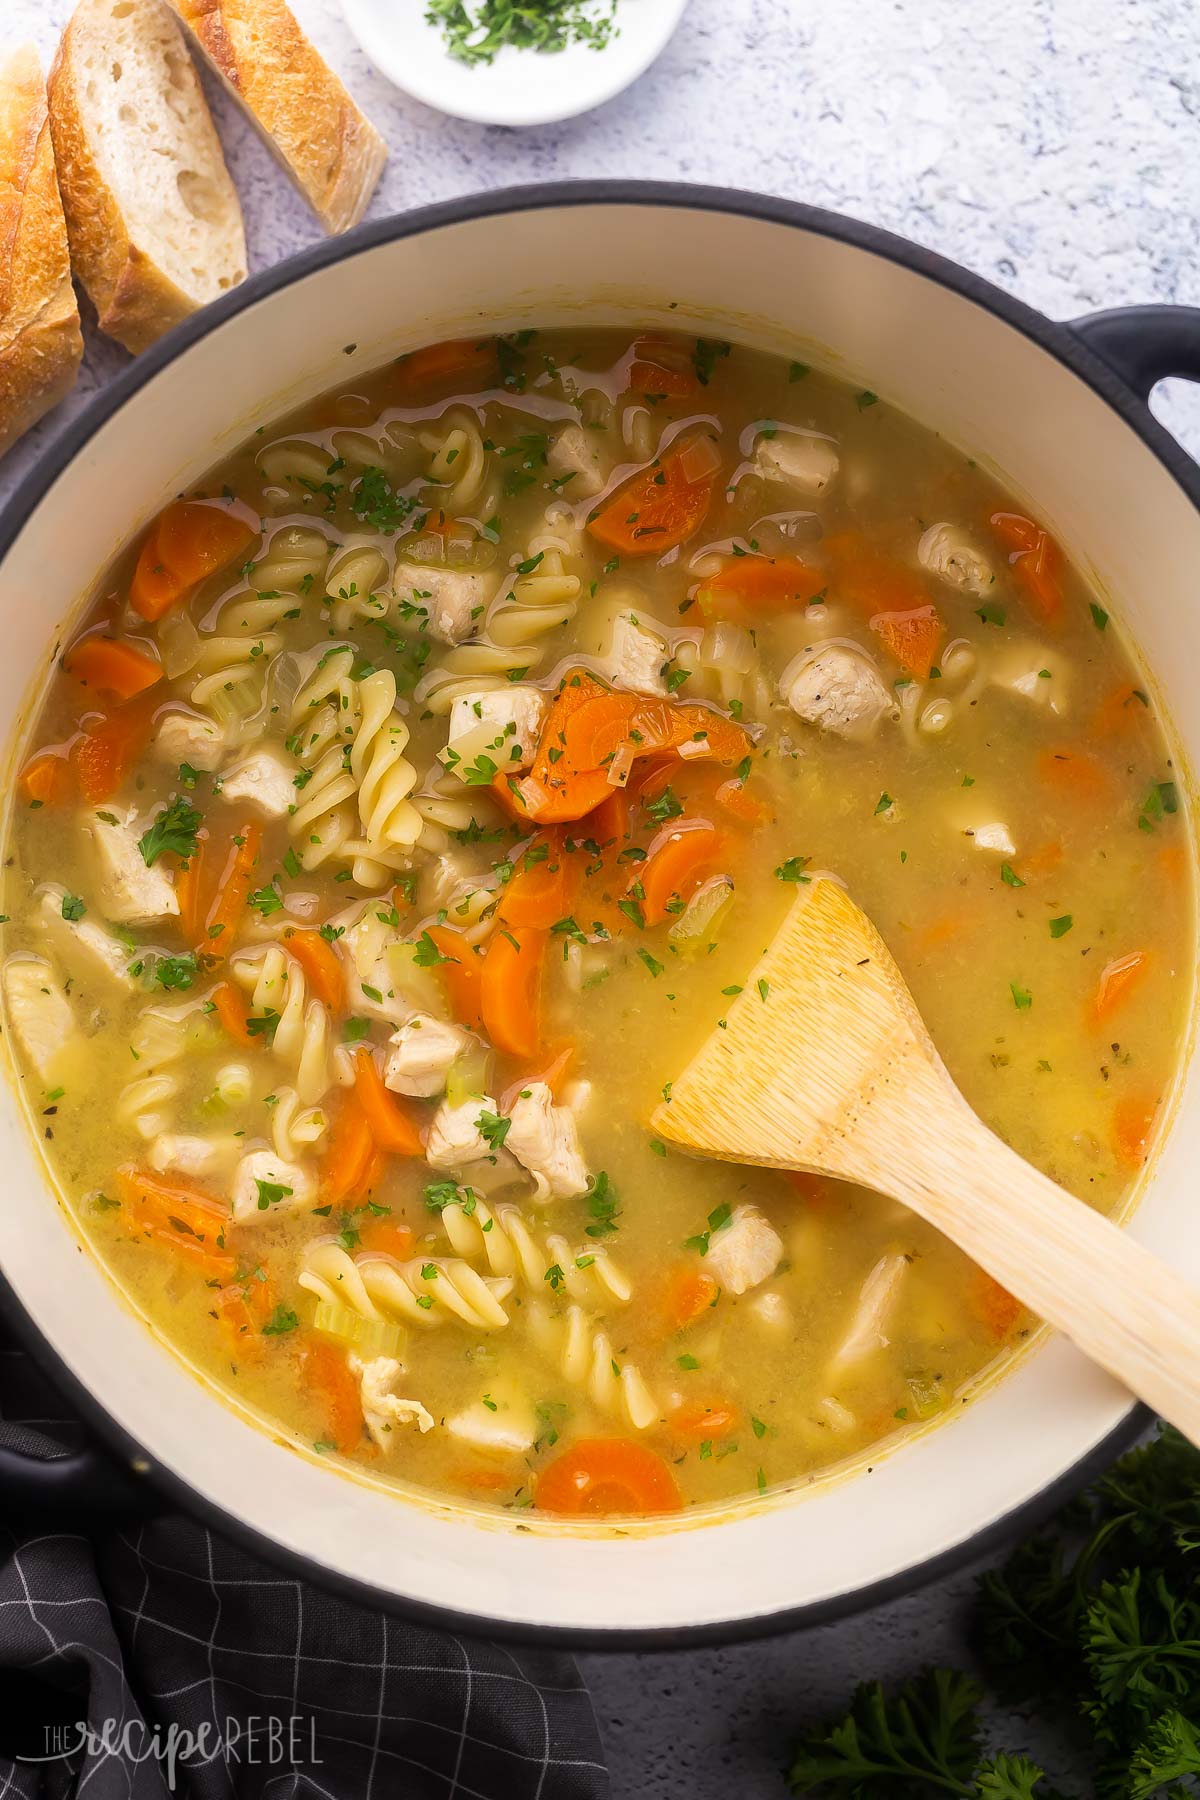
169,1199
869,580
1132,1127
551,1069
469,362
609,822
192,884
349,1152
813,1188
233,890
704,1419
676,861
1120,712
112,666
686,1294
1076,773
327,1376
993,1305
1173,862
913,637
543,889
753,587
105,755
657,366
243,1308
511,989
661,506
233,1014
386,1237
46,778
1036,561
214,1265
461,973
392,1125
1042,861
190,540
1118,980
592,739
734,796
321,964
483,1481
598,1477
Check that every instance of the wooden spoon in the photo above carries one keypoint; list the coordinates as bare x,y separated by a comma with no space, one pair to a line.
824,1064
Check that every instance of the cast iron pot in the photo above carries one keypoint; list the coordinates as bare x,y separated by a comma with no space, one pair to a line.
1060,411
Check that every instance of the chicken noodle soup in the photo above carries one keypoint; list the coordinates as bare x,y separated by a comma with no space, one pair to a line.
414,798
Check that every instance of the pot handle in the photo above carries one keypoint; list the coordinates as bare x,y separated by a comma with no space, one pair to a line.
87,1487
1145,344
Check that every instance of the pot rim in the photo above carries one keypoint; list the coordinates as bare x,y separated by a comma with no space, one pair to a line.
1058,340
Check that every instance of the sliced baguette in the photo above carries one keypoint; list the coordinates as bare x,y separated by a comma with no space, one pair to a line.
329,148
153,218
40,340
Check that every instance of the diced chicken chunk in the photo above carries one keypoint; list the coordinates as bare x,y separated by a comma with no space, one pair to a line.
38,1009
868,1324
129,890
265,1184
183,738
100,949
194,1155
544,1138
452,600
635,657
384,1409
421,1055
994,837
454,1135
948,552
502,1423
745,1252
574,461
1034,673
837,689
803,459
263,780
502,725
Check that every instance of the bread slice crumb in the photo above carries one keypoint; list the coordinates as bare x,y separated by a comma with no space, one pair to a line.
153,218
329,148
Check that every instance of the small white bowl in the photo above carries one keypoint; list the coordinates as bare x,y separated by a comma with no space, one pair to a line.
520,87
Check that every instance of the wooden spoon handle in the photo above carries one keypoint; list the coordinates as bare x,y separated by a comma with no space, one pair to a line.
1124,1308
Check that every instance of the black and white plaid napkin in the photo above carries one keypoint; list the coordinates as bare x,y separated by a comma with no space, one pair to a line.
201,1672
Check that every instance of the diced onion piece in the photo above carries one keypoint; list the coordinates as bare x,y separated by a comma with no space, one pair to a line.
469,1077
705,912
179,642
374,1337
699,458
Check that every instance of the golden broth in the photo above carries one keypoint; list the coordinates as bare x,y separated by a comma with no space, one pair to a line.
711,521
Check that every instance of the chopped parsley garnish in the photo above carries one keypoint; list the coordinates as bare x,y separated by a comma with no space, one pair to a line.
793,869
266,900
705,357
72,907
283,1319
1022,998
175,971
1009,876
426,954
602,1205
354,1030
270,1193
1060,927
174,830
493,1129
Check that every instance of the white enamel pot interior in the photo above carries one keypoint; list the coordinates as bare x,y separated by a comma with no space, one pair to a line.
993,379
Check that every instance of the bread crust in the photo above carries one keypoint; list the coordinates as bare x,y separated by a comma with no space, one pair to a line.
40,339
330,149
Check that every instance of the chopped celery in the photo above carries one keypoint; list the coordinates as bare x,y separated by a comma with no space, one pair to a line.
417,982
928,1394
373,1337
705,912
469,1076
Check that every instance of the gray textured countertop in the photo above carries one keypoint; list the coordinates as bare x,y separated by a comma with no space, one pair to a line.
1049,145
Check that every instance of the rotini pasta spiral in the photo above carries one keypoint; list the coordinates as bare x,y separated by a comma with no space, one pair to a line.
436,1291
534,601
295,1127
233,659
501,1236
276,984
292,562
146,1104
460,462
470,669
297,473
584,1356
446,808
356,573
384,778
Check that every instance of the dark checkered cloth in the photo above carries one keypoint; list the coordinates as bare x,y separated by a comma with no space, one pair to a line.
165,1625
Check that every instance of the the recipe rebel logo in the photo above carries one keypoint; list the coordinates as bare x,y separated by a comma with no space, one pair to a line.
51,1732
